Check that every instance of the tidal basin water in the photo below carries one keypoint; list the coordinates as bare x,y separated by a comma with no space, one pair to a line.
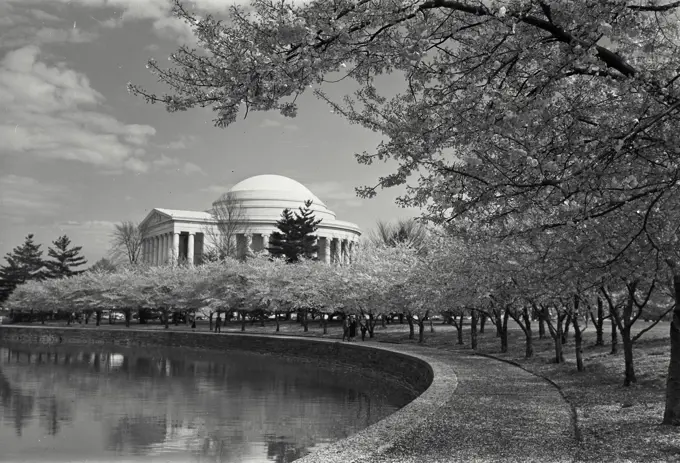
87,404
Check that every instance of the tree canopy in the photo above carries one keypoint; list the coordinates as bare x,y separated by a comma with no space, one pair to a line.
551,124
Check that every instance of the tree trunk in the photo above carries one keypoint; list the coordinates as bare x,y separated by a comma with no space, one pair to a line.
421,330
166,319
459,329
599,325
305,322
324,322
210,320
482,322
401,319
431,326
243,320
473,329
555,332
411,332
99,317
578,344
671,413
383,321
541,328
559,355
565,331
371,325
276,317
498,321
504,331
629,377
615,337
528,335
128,316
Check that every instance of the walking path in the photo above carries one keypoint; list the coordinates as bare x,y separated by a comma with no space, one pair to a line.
478,409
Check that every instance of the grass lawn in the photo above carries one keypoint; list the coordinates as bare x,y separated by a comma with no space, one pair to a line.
616,423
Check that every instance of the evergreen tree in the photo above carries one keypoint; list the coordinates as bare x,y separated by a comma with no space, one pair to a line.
65,259
23,263
296,237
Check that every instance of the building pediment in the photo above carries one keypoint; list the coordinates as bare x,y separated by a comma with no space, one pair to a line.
154,217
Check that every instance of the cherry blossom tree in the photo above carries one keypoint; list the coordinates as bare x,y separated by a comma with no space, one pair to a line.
531,114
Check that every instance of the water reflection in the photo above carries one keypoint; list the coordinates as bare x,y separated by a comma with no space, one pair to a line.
75,404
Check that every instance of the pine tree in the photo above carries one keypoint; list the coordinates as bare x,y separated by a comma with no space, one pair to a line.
65,259
296,237
23,263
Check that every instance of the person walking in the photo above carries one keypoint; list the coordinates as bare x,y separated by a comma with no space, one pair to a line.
364,328
352,328
345,328
218,324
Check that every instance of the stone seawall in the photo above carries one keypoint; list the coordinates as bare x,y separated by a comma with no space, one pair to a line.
410,374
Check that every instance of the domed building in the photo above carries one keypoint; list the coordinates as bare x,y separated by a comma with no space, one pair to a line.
171,235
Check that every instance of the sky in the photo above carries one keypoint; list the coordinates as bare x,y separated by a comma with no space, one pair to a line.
79,154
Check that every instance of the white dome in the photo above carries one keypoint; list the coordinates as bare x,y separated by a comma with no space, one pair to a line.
264,197
277,183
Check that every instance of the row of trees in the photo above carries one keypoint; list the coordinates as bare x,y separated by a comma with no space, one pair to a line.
445,275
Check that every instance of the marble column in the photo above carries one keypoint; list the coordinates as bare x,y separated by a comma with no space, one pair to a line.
144,251
335,251
168,248
160,250
351,252
164,248
154,240
265,241
326,246
190,248
343,252
175,248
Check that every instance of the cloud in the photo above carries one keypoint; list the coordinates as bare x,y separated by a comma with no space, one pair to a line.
269,123
182,143
25,197
22,36
93,235
41,15
31,26
50,111
332,191
215,189
167,164
191,168
88,226
158,11
164,161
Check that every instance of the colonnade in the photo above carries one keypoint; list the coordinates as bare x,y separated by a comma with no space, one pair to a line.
164,248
